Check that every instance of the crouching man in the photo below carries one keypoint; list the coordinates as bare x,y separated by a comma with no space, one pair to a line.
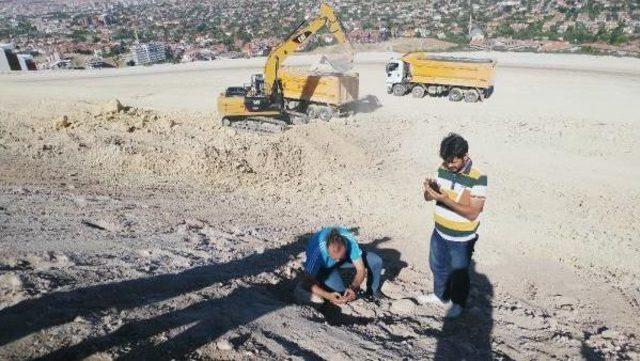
335,248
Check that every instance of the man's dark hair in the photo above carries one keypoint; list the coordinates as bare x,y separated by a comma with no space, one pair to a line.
453,146
336,238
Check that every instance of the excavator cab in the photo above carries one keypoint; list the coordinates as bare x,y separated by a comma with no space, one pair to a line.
256,100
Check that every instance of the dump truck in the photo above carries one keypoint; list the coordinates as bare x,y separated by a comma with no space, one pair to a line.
458,78
279,92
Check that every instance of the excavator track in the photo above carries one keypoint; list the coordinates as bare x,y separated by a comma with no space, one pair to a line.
260,125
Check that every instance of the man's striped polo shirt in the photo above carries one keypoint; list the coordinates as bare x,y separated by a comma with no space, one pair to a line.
461,187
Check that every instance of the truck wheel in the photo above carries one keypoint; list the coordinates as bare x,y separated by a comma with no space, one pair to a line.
455,95
325,114
471,96
417,91
225,121
399,90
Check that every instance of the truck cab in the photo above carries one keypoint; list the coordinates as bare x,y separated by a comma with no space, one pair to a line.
397,71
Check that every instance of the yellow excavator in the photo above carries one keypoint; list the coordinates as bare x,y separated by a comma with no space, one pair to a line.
279,93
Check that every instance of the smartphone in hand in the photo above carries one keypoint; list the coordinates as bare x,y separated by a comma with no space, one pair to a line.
434,185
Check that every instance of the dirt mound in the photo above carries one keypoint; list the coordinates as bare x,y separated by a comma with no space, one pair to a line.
124,141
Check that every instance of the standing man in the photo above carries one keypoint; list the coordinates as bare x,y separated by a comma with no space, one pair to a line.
459,191
329,250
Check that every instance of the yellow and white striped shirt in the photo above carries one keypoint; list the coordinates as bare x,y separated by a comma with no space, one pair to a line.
460,187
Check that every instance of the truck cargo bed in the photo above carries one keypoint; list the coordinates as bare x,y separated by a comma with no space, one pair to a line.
452,71
335,89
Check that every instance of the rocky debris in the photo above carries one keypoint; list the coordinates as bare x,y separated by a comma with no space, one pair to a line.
60,259
80,201
21,191
101,356
194,223
359,308
10,283
35,262
11,289
224,345
392,290
112,106
410,275
610,334
564,303
102,224
9,263
402,307
61,122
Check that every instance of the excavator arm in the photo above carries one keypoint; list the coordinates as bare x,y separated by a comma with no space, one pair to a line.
327,17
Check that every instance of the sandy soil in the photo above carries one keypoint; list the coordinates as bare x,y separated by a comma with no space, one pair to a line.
153,233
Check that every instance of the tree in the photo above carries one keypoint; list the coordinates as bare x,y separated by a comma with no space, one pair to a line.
79,35
617,35
578,34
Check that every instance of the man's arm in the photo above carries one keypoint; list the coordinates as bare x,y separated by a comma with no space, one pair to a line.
469,211
361,272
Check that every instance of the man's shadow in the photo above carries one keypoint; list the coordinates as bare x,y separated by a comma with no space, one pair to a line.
392,262
58,308
469,337
203,322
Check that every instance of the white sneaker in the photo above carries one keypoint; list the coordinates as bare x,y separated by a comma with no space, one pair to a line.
430,298
454,311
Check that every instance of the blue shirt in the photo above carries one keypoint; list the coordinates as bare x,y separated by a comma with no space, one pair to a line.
318,255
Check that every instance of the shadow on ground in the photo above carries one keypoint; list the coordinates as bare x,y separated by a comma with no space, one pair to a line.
203,321
469,337
368,104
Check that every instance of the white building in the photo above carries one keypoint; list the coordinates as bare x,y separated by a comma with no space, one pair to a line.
26,62
148,53
10,60
6,50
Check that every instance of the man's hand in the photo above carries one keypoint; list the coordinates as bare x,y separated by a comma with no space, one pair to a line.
335,298
425,184
349,295
429,186
438,196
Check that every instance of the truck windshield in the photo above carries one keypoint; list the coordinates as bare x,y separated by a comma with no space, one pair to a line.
391,67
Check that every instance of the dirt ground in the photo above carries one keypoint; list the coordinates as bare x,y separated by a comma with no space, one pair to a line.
148,231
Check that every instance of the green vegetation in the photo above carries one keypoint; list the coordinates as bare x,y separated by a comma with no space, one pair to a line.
579,34
80,36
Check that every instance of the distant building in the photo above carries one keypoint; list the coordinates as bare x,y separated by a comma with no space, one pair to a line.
61,64
26,62
10,60
107,19
148,53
